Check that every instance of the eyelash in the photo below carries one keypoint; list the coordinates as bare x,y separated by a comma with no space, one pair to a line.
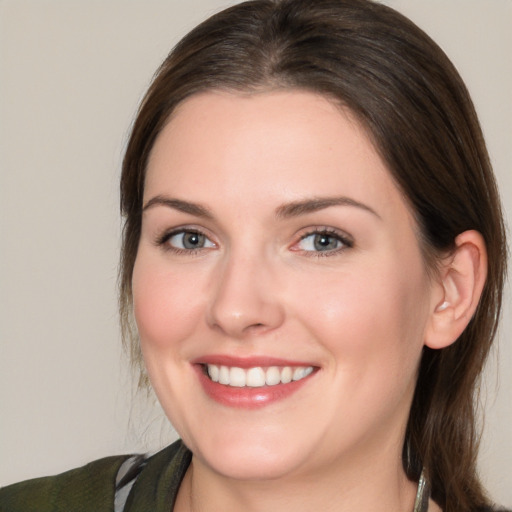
162,241
346,241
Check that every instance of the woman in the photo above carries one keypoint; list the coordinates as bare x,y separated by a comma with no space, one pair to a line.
314,254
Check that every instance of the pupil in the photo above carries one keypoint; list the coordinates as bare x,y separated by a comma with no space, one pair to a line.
193,240
323,242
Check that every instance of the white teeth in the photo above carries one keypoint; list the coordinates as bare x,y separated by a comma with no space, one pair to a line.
213,372
298,373
272,376
224,375
286,375
237,377
301,372
256,377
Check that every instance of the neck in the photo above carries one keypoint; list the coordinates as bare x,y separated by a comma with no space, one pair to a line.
377,483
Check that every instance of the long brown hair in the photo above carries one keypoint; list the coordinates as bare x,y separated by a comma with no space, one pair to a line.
419,115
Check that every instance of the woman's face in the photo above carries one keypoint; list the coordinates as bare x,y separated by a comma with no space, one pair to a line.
275,246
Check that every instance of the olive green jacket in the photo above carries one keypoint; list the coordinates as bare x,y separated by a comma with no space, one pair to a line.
92,488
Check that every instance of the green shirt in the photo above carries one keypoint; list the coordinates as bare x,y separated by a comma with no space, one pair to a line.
92,488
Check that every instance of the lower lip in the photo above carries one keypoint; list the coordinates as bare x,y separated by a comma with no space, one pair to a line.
247,397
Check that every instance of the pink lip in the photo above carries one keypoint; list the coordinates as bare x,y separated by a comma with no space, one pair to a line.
247,398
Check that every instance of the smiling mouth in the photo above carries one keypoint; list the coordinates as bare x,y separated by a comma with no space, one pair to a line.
255,377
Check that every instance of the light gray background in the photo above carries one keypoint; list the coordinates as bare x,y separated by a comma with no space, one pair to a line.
71,76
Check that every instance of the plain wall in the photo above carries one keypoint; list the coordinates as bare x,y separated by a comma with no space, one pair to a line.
71,76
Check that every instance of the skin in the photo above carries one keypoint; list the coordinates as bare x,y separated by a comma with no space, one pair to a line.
359,313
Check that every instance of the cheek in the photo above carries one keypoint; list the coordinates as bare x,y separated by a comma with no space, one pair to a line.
372,315
166,304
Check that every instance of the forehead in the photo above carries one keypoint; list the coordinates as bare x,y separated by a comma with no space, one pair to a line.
221,124
279,146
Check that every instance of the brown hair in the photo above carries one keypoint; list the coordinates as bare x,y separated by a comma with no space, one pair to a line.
416,108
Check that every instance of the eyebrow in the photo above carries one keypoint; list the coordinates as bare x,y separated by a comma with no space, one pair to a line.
297,208
285,211
178,204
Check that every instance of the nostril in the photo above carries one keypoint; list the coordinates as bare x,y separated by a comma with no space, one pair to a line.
255,326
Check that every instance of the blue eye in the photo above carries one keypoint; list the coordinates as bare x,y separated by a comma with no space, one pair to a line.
322,241
188,240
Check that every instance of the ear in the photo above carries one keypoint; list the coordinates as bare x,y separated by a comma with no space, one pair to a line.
461,280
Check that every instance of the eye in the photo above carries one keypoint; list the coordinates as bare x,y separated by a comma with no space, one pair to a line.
187,240
323,241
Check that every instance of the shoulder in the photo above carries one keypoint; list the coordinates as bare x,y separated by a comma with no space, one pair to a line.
156,486
125,482
89,488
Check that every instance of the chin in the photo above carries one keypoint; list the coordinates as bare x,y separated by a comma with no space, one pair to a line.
250,460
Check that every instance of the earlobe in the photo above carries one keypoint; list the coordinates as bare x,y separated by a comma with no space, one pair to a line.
462,278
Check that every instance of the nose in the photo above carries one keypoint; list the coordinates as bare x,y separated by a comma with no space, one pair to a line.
245,298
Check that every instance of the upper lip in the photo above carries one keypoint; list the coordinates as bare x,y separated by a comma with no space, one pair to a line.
247,362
